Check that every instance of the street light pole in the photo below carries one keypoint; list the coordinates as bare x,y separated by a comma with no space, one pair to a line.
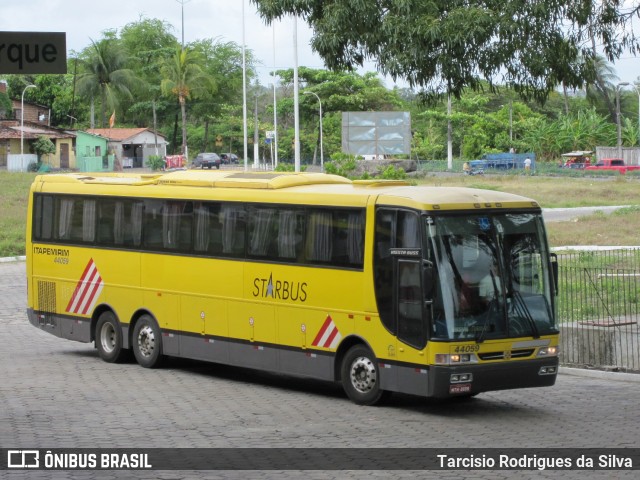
182,2
321,149
22,123
635,87
621,84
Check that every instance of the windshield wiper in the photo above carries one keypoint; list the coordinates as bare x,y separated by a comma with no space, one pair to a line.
523,311
492,304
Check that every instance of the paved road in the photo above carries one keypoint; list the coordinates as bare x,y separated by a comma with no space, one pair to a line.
56,393
568,214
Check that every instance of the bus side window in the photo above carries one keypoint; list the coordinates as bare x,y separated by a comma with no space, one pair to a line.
176,225
69,216
319,241
262,231
152,227
208,229
43,218
290,233
106,221
233,220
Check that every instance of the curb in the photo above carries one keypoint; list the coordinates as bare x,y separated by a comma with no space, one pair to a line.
20,258
600,374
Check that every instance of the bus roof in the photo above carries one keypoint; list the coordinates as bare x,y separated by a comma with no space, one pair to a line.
275,185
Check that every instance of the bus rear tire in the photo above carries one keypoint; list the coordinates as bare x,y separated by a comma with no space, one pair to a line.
147,342
361,376
108,338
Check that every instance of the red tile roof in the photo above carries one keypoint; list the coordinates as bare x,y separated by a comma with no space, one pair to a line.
118,134
11,129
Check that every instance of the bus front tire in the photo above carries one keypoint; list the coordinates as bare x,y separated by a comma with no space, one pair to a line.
147,342
108,338
361,376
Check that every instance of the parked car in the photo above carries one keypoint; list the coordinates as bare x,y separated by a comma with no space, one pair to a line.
207,160
228,158
615,164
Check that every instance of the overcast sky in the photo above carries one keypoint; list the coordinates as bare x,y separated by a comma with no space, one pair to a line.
84,20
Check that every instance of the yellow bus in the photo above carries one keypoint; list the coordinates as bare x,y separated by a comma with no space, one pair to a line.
383,286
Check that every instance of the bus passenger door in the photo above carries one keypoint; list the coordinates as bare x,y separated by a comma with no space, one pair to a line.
411,326
410,310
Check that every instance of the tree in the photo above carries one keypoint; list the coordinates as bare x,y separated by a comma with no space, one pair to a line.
105,74
5,105
446,46
43,146
148,43
183,79
603,85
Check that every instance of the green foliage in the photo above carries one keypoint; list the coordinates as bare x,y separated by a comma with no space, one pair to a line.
534,45
5,106
43,146
393,173
104,74
341,164
289,167
155,162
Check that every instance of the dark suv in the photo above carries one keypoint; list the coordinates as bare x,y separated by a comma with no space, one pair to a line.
228,158
207,160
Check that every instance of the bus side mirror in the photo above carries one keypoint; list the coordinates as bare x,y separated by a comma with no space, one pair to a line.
554,271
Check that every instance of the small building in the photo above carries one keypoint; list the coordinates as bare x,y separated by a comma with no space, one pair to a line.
16,138
91,153
132,147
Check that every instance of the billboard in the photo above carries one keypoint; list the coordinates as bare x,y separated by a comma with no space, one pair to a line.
376,133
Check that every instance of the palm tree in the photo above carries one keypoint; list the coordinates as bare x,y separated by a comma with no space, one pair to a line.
184,79
104,74
603,84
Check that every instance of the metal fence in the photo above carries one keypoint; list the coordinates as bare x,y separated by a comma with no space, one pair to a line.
599,309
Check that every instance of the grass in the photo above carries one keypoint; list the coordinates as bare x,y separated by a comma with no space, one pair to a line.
619,228
14,194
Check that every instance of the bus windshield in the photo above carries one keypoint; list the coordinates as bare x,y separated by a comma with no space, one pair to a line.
494,277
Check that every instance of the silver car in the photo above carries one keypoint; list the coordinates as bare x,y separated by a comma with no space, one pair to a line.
207,160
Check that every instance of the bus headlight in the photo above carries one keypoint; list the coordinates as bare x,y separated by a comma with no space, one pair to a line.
455,358
548,352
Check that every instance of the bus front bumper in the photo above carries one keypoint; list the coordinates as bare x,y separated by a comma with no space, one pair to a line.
450,381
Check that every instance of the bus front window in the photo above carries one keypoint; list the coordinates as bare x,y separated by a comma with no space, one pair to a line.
493,277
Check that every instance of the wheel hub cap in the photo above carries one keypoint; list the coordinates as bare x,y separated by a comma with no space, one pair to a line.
146,341
363,374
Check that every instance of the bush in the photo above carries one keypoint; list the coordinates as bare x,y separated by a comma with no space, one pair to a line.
341,164
393,173
289,167
155,162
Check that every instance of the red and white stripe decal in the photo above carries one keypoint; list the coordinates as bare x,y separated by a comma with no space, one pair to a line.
328,336
87,290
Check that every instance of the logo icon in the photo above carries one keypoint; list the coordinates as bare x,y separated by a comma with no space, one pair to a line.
23,459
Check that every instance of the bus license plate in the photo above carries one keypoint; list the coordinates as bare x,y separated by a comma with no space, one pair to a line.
460,388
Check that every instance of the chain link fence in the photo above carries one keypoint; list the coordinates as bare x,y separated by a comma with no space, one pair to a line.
599,309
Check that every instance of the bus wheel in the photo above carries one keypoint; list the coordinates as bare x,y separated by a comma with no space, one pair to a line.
147,342
109,338
361,377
